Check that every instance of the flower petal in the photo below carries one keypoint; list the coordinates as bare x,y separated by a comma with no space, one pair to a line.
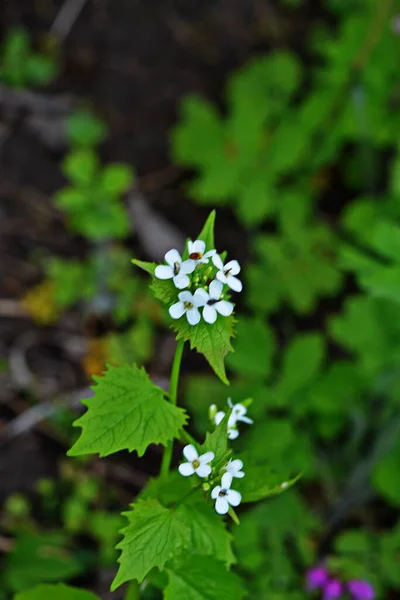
233,267
219,416
209,254
215,289
233,434
222,277
234,498
188,266
185,296
221,505
209,314
173,257
176,310
181,281
186,469
217,260
245,420
224,308
226,481
193,316
190,452
203,470
236,465
164,272
207,457
200,297
215,491
198,247
234,283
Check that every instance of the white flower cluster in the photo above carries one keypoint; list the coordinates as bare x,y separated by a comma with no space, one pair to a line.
206,281
238,413
223,495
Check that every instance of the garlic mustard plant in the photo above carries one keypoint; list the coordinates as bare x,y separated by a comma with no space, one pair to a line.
177,525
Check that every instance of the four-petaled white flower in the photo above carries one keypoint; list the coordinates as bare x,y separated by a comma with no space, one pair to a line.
224,496
226,273
188,303
196,464
233,432
176,269
233,469
213,303
197,254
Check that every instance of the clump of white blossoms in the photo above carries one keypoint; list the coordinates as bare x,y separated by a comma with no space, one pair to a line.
209,283
224,496
238,414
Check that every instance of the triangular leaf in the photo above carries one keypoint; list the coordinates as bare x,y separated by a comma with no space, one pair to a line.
127,412
57,592
207,233
208,534
154,535
262,482
214,341
203,578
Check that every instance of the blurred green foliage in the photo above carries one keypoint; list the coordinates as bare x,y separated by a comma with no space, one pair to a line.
21,66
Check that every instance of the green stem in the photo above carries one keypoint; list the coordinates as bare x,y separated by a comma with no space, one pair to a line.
133,591
188,438
173,396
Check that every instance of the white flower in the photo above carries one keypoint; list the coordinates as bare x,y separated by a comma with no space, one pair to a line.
197,464
176,269
213,303
188,303
226,273
224,496
233,469
238,414
196,252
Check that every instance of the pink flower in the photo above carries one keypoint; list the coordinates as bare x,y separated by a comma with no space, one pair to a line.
316,578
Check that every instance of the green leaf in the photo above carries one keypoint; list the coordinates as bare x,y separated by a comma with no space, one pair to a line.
85,129
262,482
301,363
81,167
254,349
214,341
127,412
208,534
56,592
203,578
38,558
116,179
386,476
153,536
217,442
207,233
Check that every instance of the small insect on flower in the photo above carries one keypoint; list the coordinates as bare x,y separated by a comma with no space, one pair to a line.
226,273
361,590
188,303
233,469
224,496
213,303
176,269
196,252
196,464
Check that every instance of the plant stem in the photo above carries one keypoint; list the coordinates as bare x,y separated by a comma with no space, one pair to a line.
173,396
133,591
